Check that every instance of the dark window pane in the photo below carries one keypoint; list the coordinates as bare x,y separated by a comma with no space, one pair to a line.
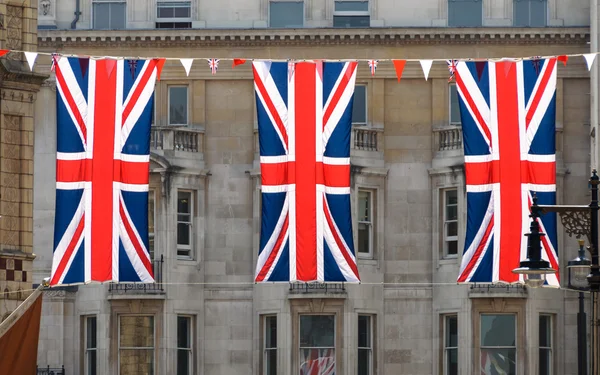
451,212
352,6
183,362
178,105
451,196
117,16
545,331
182,12
364,361
317,331
271,332
545,362
452,247
271,362
497,330
351,21
498,361
465,13
91,363
451,229
164,12
286,14
183,332
364,331
452,362
183,234
359,104
91,333
451,331
101,15
364,238
537,13
183,202
454,106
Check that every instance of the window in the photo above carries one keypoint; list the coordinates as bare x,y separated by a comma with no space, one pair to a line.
286,14
184,224
546,345
151,218
136,345
530,13
454,109
351,14
178,105
90,345
365,222
270,346
450,215
365,345
317,344
450,345
359,105
465,13
498,347
184,345
108,14
173,15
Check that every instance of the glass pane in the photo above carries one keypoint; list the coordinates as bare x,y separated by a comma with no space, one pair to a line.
151,211
317,361
364,361
498,361
359,104
183,252
351,21
452,362
545,362
271,332
521,13
352,6
101,16
317,331
465,13
498,330
451,212
117,16
178,105
184,204
183,234
271,362
452,247
165,12
451,229
286,14
451,197
136,362
151,247
451,332
364,205
91,333
184,332
537,13
454,106
183,12
545,331
91,362
183,362
364,331
136,331
364,241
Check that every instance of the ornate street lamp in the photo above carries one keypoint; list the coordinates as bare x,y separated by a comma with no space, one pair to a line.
579,269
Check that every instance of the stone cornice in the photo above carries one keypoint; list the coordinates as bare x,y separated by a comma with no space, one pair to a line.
20,77
57,39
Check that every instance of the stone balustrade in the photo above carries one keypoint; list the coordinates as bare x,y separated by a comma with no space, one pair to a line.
448,138
367,139
177,138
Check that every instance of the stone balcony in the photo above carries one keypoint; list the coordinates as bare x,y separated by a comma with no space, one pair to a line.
366,148
181,145
447,146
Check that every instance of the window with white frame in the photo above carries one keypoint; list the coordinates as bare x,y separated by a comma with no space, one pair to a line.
317,344
185,216
91,345
545,344
365,345
530,13
109,14
498,345
351,14
270,345
178,105
450,355
286,14
359,105
136,344
184,345
365,222
151,219
450,222
173,14
454,106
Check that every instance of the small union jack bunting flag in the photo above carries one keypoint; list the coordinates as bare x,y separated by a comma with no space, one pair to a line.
451,68
291,67
373,66
213,64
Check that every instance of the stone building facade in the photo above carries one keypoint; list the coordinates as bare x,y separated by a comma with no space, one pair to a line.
18,92
408,193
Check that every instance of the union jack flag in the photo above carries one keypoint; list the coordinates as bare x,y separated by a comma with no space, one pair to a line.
304,129
317,362
451,68
102,168
373,66
508,122
213,64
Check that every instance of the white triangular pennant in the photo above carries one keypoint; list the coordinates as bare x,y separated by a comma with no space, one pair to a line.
589,59
187,65
31,56
426,66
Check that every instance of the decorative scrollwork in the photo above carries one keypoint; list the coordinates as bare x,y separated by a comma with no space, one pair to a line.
576,223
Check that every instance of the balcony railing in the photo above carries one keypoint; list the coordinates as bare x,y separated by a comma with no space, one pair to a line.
366,139
303,288
177,138
50,371
136,288
448,138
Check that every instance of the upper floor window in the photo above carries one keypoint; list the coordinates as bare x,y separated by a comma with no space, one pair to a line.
450,215
173,15
90,359
454,107
108,14
450,345
365,345
178,105
465,13
365,222
270,345
530,13
286,14
351,14
136,344
185,217
545,345
151,218
359,105
184,345
498,345
317,344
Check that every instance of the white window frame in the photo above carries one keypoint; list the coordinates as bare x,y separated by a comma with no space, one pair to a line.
152,235
516,332
189,248
370,224
265,350
173,19
87,351
366,122
550,348
287,1
119,347
187,104
190,350
445,346
453,123
370,318
446,239
106,2
300,347
352,13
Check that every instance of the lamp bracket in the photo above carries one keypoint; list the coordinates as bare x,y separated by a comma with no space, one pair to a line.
575,219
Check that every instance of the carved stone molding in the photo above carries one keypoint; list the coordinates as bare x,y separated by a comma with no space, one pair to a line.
14,31
17,96
45,8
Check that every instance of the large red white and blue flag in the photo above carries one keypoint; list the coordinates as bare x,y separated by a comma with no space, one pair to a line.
304,123
508,120
104,113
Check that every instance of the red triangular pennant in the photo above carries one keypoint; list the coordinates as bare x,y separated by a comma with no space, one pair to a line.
159,65
399,65
84,62
479,67
4,52
507,67
563,58
110,66
237,62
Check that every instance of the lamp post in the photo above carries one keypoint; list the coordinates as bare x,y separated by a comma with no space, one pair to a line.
578,220
578,269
